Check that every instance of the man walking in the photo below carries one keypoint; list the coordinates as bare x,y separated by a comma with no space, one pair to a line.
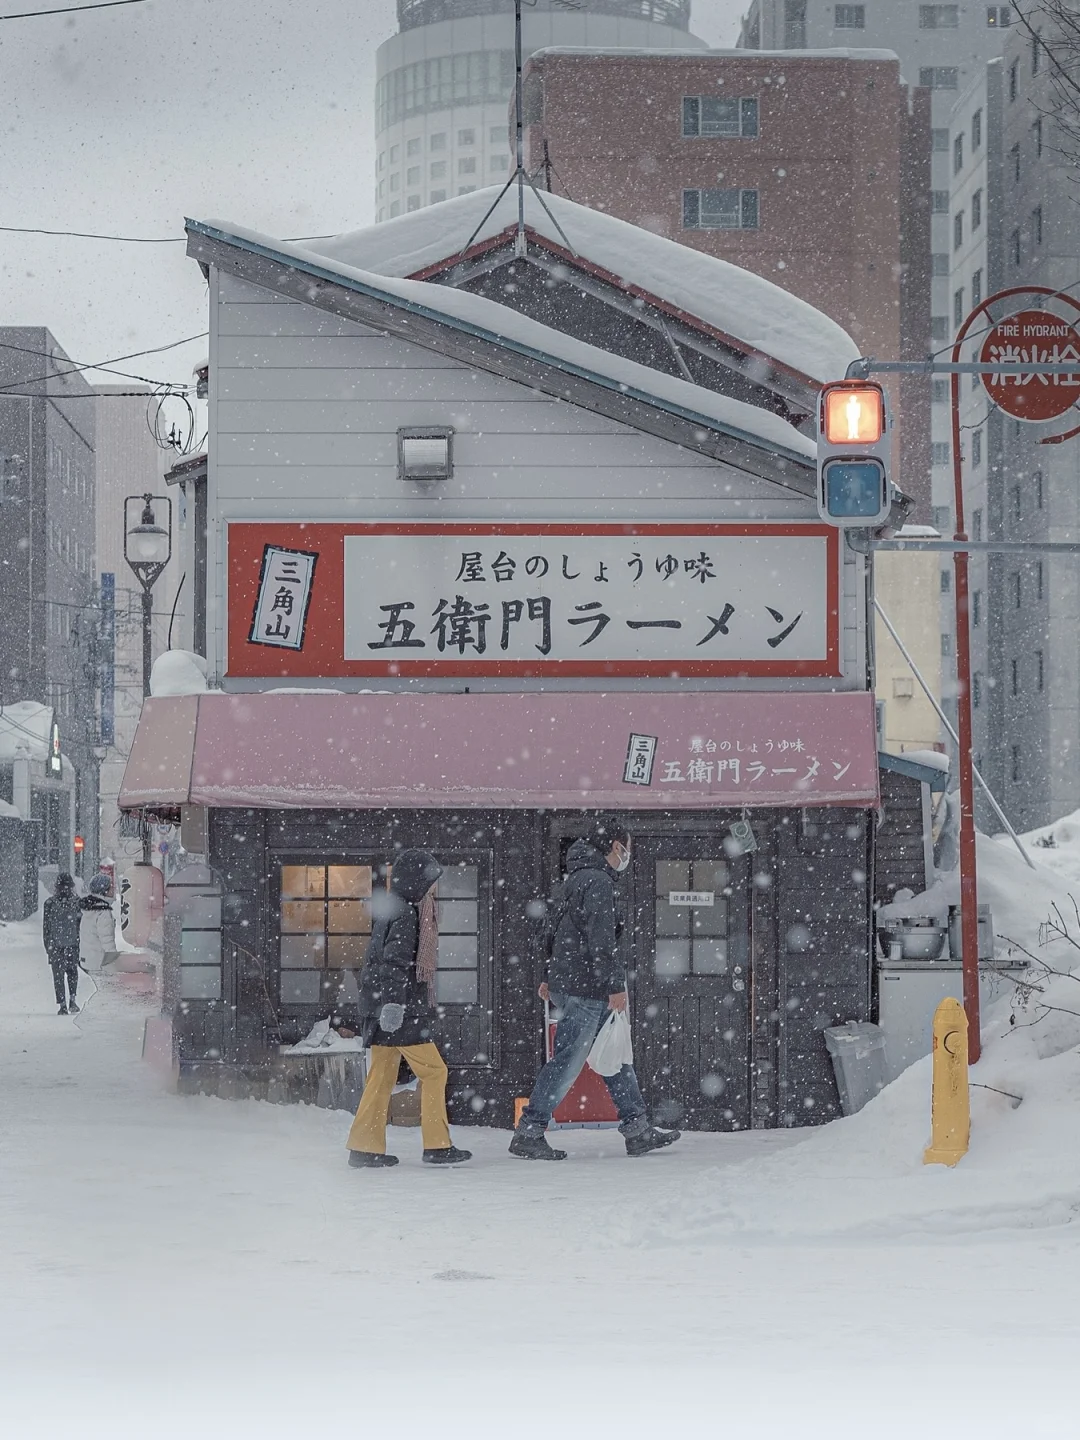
586,980
60,922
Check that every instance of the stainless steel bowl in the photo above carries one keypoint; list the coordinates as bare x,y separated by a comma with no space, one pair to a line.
919,941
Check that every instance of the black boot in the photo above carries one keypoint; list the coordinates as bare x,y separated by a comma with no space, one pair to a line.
533,1147
63,1010
73,1008
368,1160
451,1155
651,1139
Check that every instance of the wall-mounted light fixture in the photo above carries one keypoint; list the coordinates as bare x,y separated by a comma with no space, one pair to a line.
425,452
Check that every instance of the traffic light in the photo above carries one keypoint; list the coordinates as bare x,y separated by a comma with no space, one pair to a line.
853,454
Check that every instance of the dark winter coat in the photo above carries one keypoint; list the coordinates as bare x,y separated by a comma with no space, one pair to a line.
60,923
585,957
389,974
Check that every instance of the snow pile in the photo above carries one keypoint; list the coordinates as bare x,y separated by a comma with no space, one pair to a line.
179,672
1056,846
864,1176
742,305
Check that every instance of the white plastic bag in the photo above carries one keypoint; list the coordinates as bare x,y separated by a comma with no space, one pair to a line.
613,1047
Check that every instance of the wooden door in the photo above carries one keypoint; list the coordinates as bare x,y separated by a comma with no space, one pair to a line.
691,992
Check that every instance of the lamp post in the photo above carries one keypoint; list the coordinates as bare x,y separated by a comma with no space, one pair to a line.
147,550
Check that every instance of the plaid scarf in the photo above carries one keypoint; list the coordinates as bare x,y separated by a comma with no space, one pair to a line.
427,947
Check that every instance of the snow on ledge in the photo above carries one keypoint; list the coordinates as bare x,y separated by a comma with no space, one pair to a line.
178,672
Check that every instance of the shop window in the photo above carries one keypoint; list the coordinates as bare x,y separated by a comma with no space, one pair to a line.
691,938
458,896
200,948
325,924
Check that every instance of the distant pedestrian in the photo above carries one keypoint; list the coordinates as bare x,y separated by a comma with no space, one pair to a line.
396,1013
97,937
586,980
60,924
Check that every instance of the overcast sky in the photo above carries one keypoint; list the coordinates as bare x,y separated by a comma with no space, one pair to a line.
123,121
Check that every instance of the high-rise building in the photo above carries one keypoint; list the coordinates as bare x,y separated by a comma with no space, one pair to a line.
942,48
446,78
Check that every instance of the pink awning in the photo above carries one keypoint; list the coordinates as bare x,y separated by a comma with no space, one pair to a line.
500,751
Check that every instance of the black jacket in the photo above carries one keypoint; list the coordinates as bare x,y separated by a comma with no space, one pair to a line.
60,921
389,973
585,957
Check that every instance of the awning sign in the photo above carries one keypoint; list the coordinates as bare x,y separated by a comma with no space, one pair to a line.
478,599
284,596
640,755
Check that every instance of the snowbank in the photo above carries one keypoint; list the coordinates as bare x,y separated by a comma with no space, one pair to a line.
745,306
178,672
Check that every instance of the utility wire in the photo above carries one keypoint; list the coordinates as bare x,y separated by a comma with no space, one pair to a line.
128,239
70,9
105,365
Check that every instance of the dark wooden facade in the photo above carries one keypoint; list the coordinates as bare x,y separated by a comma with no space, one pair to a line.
729,1003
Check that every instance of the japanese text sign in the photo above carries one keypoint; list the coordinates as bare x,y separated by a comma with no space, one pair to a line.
484,599
1039,338
281,607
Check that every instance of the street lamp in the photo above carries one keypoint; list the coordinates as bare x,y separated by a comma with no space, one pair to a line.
147,550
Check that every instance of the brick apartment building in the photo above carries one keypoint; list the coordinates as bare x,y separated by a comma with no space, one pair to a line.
812,170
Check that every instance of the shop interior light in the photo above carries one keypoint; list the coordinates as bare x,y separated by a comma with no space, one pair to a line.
854,415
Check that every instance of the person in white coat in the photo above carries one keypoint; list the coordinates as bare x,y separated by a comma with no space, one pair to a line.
97,937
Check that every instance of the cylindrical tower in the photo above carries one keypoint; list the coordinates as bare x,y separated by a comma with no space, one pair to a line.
446,79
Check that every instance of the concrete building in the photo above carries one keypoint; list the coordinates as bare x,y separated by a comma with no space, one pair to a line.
49,615
129,462
444,82
906,584
976,270
943,48
735,154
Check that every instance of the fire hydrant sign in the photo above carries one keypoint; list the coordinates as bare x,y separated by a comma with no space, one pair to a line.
1040,338
487,599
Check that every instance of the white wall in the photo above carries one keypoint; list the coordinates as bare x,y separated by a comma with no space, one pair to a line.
304,413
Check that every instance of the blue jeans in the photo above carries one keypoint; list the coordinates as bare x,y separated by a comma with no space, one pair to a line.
579,1022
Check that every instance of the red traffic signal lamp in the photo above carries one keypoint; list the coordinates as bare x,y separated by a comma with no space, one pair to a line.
853,454
78,844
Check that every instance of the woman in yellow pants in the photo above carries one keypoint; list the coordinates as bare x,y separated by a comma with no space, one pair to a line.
396,1013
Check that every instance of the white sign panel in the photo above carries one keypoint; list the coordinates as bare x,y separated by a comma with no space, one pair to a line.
700,899
696,599
284,595
640,757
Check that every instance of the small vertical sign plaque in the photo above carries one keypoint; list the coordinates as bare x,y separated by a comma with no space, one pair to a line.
640,757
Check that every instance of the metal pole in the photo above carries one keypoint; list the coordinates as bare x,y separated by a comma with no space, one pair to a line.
519,138
147,666
945,721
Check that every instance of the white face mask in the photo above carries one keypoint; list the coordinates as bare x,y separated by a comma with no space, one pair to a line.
624,860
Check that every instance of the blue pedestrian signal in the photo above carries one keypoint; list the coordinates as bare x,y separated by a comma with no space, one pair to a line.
854,489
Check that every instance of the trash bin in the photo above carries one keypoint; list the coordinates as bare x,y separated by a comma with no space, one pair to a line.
858,1056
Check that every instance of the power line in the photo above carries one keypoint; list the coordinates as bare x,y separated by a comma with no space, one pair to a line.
71,9
128,239
105,365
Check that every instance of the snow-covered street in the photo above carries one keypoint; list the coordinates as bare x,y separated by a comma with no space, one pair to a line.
169,1258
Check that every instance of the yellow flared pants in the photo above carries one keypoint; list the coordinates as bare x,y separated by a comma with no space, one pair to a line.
369,1127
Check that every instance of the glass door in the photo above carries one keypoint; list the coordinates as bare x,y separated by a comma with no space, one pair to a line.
692,983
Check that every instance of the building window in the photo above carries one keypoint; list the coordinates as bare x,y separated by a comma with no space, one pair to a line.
466,189
497,135
976,209
1038,579
976,292
976,130
412,175
849,17
324,927
437,197
794,24
939,202
1014,163
976,608
1038,489
1037,136
1014,246
1015,667
958,308
939,17
466,137
1015,762
395,208
1014,79
939,265
998,17
976,525
395,154
942,515
467,165
413,202
437,142
939,77
976,690
500,162
395,180
958,154
976,447
1036,225
1036,46
958,230
710,117
720,209
939,328
438,170
939,139
939,452
939,392
1018,590
1017,506
945,581
412,147
946,643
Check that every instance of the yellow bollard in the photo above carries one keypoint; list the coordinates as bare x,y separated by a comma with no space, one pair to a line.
950,1105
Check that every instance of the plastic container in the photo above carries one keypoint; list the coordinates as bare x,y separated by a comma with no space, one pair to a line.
858,1056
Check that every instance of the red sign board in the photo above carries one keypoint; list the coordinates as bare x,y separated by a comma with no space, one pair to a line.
78,844
1041,338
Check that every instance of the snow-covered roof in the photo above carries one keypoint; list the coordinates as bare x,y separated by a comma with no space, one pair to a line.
749,309
488,320
838,52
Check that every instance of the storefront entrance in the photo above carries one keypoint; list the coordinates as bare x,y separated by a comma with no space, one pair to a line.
690,949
